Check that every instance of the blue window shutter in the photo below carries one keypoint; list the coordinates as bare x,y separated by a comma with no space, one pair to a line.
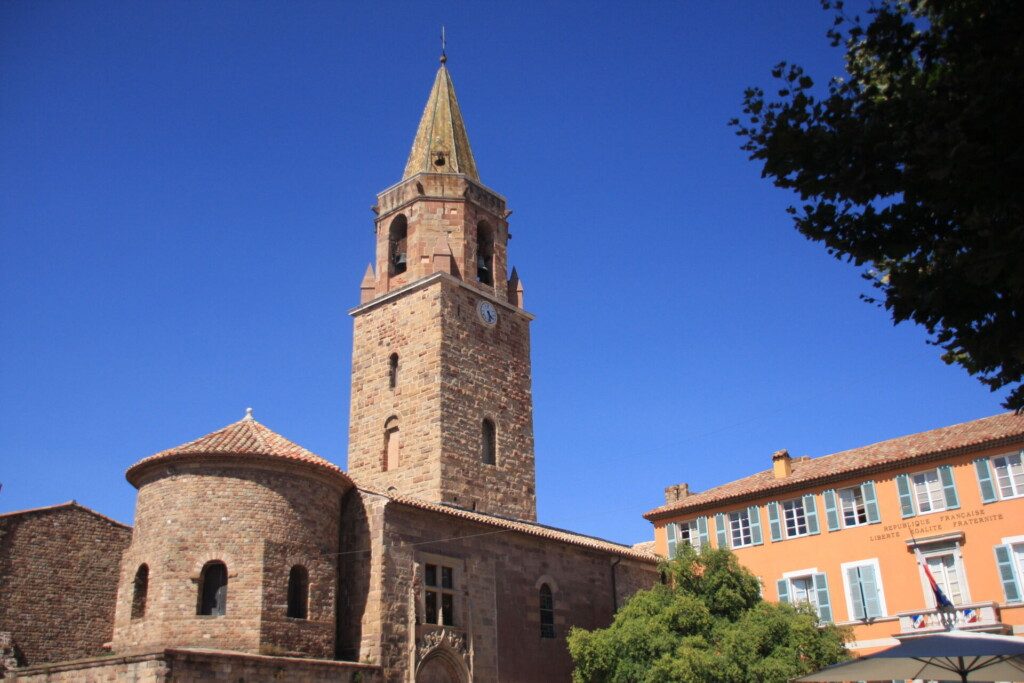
670,533
824,606
906,500
774,525
783,587
1008,573
702,531
811,514
754,515
720,531
949,487
869,586
831,510
988,491
867,490
856,596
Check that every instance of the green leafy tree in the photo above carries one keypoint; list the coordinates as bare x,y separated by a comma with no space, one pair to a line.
911,166
707,623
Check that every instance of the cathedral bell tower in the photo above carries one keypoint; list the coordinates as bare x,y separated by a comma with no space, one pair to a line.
441,404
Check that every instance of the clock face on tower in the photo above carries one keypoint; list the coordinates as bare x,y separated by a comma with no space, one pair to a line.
485,309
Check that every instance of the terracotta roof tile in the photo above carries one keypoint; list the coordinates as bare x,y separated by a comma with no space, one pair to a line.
521,526
966,437
246,438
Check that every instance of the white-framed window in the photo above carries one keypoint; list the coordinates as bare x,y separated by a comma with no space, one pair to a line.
689,533
1009,474
806,586
862,583
858,505
853,511
795,517
693,532
944,558
441,578
739,528
945,569
927,491
1001,476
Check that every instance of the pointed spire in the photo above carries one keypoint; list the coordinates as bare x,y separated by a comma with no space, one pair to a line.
367,286
441,144
515,289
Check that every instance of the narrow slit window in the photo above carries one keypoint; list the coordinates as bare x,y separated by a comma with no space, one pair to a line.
298,592
547,612
393,371
213,590
389,460
487,443
140,592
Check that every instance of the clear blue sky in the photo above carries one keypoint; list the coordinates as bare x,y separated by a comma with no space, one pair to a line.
184,205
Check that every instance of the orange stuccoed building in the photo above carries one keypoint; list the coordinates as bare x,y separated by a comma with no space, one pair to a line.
840,531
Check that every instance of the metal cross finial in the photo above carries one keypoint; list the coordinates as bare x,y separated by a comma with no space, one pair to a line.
444,57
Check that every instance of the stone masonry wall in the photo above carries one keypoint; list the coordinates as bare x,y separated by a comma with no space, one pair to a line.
486,374
454,371
361,572
496,633
58,581
259,521
195,666
409,326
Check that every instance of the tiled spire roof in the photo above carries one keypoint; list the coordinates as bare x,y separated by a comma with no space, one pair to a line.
246,438
441,144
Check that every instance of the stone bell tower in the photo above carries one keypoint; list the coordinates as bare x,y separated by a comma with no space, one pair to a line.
441,403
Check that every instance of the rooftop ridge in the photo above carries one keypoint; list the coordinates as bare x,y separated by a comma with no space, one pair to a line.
518,525
59,506
986,432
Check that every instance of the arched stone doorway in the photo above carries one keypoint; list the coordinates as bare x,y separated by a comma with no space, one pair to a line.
437,670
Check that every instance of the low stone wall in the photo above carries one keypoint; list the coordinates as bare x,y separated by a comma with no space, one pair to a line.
195,666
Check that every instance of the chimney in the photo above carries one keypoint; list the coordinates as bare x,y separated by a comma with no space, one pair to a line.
782,464
676,492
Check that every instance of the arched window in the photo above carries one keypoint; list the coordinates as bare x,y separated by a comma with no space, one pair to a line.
487,442
140,591
298,592
213,589
393,371
484,254
397,247
547,612
389,461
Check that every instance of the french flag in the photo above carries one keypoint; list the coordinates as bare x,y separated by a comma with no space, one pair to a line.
941,601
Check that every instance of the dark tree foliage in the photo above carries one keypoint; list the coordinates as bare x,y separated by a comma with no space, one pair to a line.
707,624
911,166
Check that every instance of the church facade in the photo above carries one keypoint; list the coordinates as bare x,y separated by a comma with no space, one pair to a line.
253,558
